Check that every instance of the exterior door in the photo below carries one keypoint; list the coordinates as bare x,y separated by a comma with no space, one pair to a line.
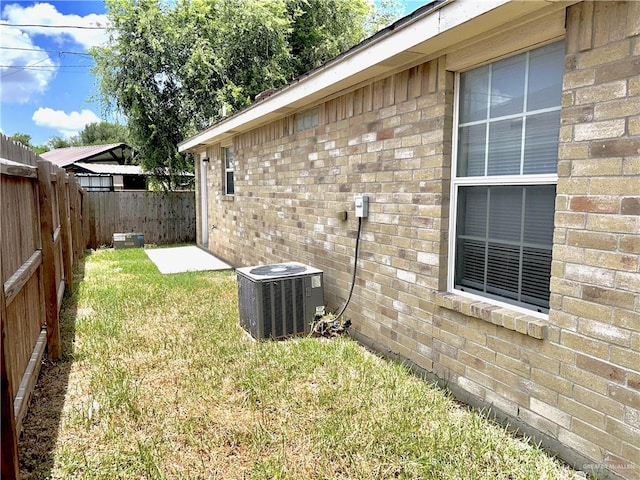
204,200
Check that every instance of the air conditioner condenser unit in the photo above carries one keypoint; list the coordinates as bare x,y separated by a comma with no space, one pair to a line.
279,300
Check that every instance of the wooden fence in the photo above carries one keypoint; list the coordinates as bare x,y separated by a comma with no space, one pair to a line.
47,221
163,218
42,237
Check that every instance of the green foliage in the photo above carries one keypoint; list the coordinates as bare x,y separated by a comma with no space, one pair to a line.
101,133
58,142
387,12
172,67
39,149
323,29
97,133
23,138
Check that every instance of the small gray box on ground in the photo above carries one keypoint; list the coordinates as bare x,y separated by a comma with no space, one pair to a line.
128,240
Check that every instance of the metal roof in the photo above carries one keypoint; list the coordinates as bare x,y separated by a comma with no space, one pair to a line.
106,169
115,152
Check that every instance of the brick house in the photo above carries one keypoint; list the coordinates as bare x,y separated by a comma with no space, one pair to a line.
499,143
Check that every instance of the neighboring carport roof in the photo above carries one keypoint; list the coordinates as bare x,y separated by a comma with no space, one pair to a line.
407,42
105,169
113,152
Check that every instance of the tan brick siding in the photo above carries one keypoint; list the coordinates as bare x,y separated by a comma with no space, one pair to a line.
573,378
597,227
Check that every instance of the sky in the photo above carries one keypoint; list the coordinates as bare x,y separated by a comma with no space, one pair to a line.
46,85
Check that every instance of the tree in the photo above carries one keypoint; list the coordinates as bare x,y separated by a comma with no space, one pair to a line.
58,142
172,67
100,133
23,138
39,149
322,29
138,72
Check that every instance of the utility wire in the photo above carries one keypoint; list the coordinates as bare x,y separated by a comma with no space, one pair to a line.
44,67
37,25
59,52
355,269
24,68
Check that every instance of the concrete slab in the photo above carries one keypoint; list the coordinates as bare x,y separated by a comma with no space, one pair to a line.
184,259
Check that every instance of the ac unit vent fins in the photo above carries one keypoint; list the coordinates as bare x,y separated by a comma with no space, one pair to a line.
279,300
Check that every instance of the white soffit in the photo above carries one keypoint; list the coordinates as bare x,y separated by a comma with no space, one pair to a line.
408,43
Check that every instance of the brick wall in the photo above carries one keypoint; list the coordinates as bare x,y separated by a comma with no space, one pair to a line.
595,284
573,379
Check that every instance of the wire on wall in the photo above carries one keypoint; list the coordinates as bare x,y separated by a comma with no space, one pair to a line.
355,268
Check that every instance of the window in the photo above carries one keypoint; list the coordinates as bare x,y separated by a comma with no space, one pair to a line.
505,175
229,168
96,183
307,119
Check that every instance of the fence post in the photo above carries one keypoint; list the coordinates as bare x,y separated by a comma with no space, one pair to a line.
64,211
83,210
92,218
77,220
9,437
48,259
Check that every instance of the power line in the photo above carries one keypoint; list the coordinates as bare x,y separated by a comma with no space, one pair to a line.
59,52
24,68
44,67
39,25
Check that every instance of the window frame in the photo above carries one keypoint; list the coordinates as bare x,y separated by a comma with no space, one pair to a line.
516,180
95,183
307,119
228,170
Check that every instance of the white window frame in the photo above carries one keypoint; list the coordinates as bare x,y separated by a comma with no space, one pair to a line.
228,170
494,180
97,183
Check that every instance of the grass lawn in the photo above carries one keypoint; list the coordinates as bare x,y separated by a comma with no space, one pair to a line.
159,381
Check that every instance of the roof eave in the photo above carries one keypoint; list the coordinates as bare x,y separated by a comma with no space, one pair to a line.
405,42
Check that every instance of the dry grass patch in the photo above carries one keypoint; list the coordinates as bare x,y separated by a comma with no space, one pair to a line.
159,381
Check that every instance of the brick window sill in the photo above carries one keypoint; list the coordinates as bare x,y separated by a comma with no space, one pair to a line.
228,198
501,316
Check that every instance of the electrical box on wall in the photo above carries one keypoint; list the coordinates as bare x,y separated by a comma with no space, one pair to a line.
362,206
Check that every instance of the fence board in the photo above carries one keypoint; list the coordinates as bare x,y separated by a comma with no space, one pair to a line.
21,276
20,229
49,258
8,437
29,379
64,215
23,324
8,167
162,217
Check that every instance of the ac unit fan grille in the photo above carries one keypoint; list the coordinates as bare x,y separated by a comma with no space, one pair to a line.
283,307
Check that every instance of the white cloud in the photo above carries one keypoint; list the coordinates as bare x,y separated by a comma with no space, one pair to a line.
27,68
68,124
19,84
47,14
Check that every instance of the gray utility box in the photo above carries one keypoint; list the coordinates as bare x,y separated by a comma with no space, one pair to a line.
279,300
128,240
